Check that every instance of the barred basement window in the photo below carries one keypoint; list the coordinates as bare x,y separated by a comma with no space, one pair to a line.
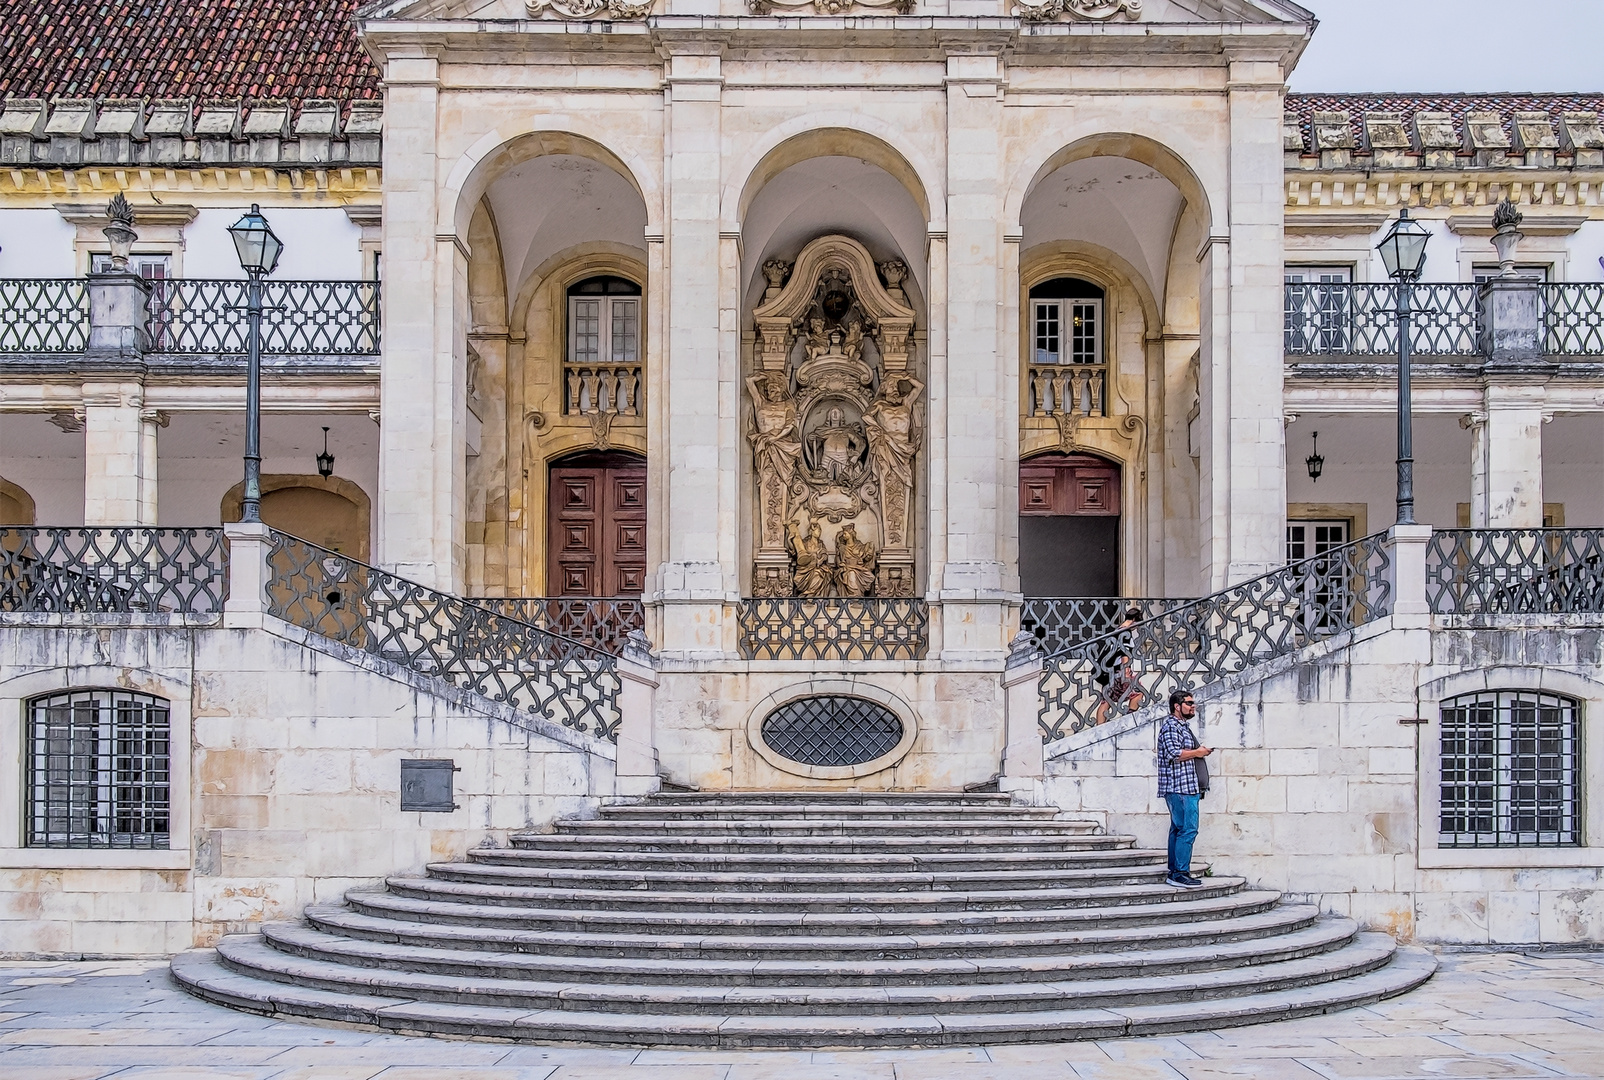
1510,763
99,767
832,730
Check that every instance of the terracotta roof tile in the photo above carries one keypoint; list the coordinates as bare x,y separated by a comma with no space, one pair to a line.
1456,105
294,49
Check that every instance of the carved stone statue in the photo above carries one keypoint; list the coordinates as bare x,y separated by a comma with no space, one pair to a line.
893,435
837,447
811,571
776,449
854,563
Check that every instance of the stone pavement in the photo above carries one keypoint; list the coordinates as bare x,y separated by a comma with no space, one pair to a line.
1483,1016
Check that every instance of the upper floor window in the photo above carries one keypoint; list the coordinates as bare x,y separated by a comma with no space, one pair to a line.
1510,766
99,767
1317,318
1526,273
604,321
149,267
1066,320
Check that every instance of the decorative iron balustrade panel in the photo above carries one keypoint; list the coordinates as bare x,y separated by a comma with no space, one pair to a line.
44,315
113,570
1515,571
834,628
1356,319
463,642
304,318
1573,319
1203,641
833,730
603,622
1059,622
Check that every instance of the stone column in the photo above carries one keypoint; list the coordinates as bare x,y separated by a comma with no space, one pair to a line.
977,582
1506,479
421,385
150,422
1244,512
116,489
695,578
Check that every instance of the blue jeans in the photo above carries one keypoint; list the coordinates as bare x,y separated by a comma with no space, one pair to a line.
1183,832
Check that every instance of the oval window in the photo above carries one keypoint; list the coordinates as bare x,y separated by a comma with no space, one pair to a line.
833,730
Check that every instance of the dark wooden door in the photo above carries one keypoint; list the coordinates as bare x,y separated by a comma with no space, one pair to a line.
1068,526
597,536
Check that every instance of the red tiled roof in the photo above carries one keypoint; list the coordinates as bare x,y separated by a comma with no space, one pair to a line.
1457,105
294,49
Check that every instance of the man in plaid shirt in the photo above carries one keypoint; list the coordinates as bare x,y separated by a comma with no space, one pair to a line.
1178,752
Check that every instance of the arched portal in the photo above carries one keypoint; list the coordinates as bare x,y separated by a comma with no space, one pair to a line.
328,511
1069,525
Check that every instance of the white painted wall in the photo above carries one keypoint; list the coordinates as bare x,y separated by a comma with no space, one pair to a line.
1585,248
36,243
1573,468
320,243
47,463
1360,466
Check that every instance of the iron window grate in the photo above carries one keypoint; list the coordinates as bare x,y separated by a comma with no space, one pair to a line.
832,730
99,767
1510,763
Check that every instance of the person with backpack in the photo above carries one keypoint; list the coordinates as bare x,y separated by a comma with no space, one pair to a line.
1182,781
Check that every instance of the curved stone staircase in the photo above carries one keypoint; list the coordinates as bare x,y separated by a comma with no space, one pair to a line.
806,920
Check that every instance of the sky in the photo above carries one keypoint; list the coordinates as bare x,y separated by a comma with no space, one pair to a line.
1453,46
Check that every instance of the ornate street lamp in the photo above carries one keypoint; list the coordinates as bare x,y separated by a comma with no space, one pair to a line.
325,460
1314,461
258,248
1404,252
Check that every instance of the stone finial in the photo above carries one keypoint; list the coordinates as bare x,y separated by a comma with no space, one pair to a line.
1387,139
1505,213
1291,133
1581,134
1023,649
1506,236
120,232
776,272
1333,138
894,273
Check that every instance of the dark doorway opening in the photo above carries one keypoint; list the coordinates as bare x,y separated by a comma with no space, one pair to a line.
1069,526
597,536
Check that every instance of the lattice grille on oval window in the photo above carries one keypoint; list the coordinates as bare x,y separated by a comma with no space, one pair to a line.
834,730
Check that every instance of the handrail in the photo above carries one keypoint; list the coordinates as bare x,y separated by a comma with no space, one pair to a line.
604,622
461,641
1515,572
200,315
1205,640
1358,319
44,315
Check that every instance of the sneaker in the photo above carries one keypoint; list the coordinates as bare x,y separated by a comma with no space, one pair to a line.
1182,881
1192,882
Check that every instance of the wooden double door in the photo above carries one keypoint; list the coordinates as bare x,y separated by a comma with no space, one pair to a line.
596,542
1068,526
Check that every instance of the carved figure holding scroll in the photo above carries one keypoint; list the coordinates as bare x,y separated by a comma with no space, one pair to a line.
811,576
854,562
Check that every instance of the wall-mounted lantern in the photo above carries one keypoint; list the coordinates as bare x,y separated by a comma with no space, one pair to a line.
1314,461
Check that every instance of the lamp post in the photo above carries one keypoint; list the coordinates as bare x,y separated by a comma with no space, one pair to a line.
258,250
1403,250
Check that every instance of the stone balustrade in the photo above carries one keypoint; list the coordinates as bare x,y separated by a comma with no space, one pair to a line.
604,388
1066,390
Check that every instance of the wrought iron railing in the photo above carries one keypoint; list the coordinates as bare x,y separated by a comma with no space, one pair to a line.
43,315
1060,622
1515,571
1573,319
463,642
113,570
1325,318
1205,640
303,318
834,628
603,622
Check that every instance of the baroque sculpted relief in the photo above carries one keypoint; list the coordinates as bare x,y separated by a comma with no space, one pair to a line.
1094,10
836,430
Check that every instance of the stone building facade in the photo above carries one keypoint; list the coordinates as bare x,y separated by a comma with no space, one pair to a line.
819,342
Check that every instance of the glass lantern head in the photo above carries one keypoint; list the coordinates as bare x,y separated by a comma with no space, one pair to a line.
1403,250
256,243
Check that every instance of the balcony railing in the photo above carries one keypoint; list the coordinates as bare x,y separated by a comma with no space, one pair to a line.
302,318
98,571
1061,622
1355,319
43,315
1515,572
834,628
604,622
1065,390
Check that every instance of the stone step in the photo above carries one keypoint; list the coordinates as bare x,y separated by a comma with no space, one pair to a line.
716,862
802,827
1179,909
753,809
845,795
435,888
815,845
203,973
729,943
293,951
793,881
